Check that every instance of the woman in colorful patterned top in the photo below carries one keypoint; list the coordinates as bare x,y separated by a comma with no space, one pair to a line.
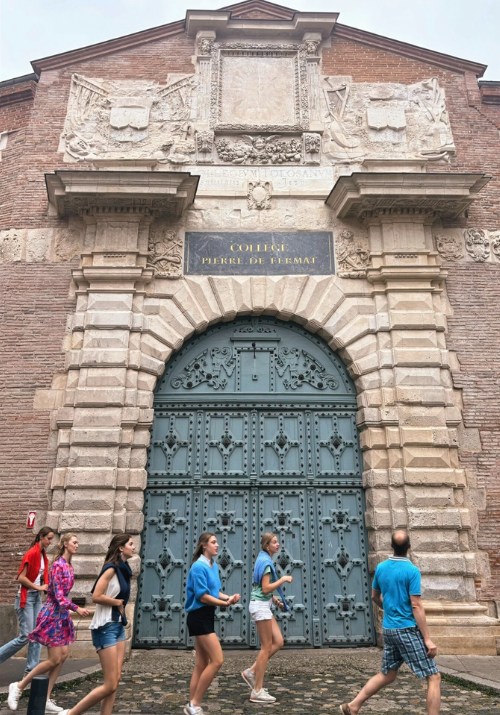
202,598
54,626
265,582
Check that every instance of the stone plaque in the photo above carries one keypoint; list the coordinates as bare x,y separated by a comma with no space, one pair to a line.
294,252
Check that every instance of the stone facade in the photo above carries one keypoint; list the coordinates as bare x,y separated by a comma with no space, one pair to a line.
114,156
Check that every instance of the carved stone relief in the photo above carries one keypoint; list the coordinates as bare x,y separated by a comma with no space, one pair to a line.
259,195
353,257
252,105
474,244
259,149
11,246
477,245
449,248
392,120
129,119
165,252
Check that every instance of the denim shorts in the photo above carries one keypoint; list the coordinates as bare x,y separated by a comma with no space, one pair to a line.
107,635
406,645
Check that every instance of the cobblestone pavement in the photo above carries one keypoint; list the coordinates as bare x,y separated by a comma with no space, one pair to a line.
303,681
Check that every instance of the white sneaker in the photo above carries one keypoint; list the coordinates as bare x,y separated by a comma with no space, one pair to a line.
193,710
261,696
14,694
249,678
51,707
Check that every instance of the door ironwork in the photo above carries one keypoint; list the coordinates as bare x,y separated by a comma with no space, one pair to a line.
255,431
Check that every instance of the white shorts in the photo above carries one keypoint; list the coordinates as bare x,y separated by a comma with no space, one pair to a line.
260,610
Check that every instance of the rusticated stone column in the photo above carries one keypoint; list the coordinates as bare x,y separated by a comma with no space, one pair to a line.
103,426
410,413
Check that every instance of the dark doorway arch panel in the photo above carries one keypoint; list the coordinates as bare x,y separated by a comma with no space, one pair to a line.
255,431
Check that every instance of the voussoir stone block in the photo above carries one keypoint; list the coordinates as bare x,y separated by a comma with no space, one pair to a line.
422,457
105,396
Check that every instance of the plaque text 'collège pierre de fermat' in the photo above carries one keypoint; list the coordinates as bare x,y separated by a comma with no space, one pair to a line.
292,252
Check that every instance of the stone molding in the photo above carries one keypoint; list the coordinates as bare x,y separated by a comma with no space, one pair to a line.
364,194
152,193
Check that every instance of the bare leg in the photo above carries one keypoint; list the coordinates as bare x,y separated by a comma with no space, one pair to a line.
56,656
433,700
376,683
54,673
111,661
209,660
271,641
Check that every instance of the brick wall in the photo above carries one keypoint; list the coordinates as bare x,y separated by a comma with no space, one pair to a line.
36,300
34,303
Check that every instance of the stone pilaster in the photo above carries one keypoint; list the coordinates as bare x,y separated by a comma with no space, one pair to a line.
410,411
103,426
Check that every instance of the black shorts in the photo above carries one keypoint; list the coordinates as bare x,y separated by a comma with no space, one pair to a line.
200,622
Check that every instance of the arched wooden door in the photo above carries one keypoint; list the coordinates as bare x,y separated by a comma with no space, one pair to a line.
254,431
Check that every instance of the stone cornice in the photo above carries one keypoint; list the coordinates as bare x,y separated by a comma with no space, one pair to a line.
364,193
225,25
126,192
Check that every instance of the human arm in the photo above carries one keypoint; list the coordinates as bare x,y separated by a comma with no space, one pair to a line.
24,581
58,580
419,613
100,596
222,600
269,586
377,598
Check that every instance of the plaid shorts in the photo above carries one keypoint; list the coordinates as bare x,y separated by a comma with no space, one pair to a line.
406,645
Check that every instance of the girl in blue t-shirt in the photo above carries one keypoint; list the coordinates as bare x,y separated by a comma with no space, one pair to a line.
265,583
203,595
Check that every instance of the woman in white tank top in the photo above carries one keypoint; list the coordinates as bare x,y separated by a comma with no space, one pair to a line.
110,593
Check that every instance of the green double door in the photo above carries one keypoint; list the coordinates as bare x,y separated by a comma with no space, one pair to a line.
255,431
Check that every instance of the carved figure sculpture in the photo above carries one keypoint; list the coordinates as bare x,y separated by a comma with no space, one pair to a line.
477,245
165,254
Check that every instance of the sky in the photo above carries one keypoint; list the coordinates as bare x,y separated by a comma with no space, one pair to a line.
33,29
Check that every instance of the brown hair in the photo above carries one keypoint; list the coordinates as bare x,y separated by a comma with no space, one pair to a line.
266,539
114,553
63,542
202,541
44,531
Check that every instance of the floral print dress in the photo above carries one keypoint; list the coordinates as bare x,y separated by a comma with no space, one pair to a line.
54,625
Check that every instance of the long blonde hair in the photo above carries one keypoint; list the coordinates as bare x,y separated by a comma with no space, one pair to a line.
63,542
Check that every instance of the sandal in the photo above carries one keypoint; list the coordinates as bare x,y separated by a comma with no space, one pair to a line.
345,709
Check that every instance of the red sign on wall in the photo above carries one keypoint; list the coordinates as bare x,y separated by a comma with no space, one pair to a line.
30,520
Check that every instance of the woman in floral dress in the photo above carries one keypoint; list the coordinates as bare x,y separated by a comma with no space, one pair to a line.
54,625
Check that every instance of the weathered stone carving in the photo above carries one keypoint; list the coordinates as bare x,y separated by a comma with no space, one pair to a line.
495,243
259,195
448,247
477,245
353,258
259,149
258,86
152,120
165,253
205,46
204,146
11,246
264,94
385,120
311,47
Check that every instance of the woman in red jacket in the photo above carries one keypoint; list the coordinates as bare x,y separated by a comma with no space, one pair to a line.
33,578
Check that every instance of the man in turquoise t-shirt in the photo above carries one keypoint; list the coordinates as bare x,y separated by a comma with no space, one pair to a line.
396,589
